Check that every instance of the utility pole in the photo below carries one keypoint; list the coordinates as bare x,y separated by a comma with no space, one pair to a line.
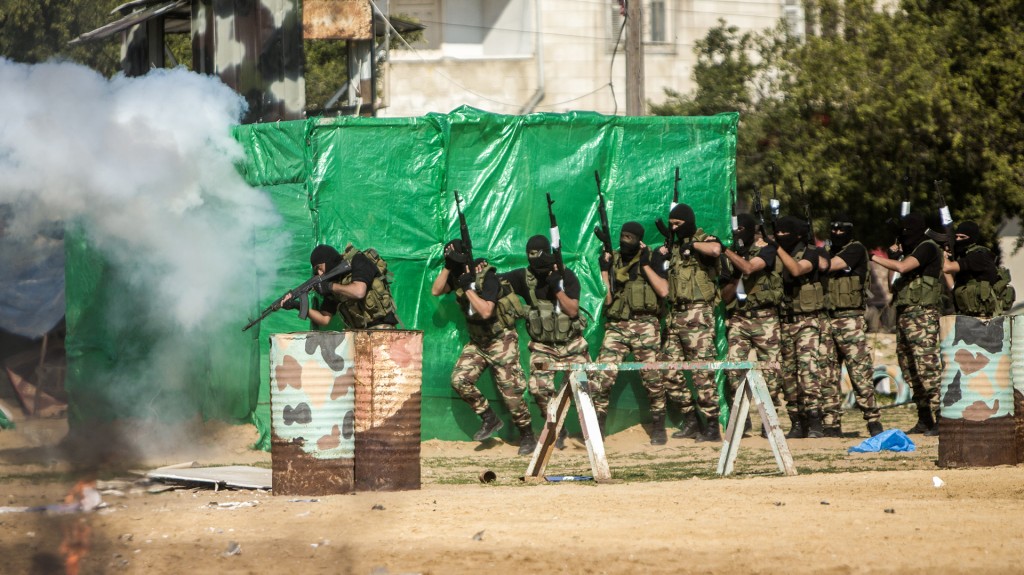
634,58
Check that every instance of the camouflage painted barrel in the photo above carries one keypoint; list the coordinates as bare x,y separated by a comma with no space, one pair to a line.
312,413
1017,376
389,374
977,426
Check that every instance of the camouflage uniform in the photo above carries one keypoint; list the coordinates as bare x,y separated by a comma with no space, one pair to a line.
802,315
632,326
917,295
693,294
501,354
845,337
754,321
554,337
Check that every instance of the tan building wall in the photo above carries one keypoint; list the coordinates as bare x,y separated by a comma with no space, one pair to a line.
576,68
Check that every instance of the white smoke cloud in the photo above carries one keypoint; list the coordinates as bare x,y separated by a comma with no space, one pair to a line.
147,167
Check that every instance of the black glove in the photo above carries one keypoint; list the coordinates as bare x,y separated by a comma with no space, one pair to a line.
290,303
606,264
894,254
466,280
324,288
658,261
645,257
555,282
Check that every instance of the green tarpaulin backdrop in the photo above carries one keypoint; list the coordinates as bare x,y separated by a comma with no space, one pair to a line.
387,184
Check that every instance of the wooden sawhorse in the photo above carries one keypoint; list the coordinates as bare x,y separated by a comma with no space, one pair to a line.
575,386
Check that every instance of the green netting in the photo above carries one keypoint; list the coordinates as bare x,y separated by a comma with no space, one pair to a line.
387,184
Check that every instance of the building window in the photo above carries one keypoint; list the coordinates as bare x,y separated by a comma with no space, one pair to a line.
793,13
657,25
656,17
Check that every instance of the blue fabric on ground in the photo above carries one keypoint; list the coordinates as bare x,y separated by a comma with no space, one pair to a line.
889,440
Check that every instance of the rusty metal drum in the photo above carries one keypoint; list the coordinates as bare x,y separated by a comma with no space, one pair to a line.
977,426
388,379
1017,376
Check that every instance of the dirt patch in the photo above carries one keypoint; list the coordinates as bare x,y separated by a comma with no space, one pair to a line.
668,512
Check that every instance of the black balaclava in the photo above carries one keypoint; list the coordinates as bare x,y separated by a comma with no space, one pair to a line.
972,231
324,254
912,231
745,239
629,249
794,227
841,231
685,213
542,264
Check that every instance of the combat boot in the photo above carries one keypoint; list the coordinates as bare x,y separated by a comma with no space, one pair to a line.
527,442
874,428
491,424
747,426
814,430
560,441
658,429
691,427
933,431
712,433
832,431
797,429
925,421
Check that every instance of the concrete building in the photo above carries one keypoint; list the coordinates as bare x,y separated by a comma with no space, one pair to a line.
520,56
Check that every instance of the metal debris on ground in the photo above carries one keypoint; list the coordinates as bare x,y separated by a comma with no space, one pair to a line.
234,548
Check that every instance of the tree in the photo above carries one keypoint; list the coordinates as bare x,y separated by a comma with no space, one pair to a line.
872,103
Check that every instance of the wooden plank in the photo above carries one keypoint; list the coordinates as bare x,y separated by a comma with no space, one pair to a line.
553,421
770,420
658,366
591,428
734,431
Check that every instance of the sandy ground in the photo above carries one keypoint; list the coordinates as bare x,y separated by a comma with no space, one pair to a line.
668,512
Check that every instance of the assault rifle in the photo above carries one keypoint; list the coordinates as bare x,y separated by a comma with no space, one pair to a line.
556,245
301,293
467,244
603,231
667,230
947,220
807,211
773,203
759,212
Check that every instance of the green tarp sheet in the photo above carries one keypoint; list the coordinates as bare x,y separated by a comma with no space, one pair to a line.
388,184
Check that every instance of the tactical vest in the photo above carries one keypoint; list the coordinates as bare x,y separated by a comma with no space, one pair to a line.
545,324
807,293
915,288
979,298
689,279
507,309
763,287
633,297
846,290
377,304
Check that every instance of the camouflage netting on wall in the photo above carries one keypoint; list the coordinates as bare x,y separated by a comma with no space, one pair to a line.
387,184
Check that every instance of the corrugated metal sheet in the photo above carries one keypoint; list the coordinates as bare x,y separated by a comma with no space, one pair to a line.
337,20
975,381
389,372
312,405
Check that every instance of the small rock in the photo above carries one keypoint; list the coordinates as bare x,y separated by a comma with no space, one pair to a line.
377,507
890,510
825,503
479,536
